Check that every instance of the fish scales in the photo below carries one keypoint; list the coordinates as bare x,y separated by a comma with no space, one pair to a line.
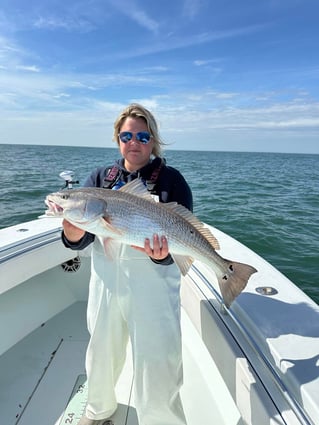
147,218
130,215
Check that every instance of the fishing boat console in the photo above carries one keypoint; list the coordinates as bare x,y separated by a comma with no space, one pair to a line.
256,363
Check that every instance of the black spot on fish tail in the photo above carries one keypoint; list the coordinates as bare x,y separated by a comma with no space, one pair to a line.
233,283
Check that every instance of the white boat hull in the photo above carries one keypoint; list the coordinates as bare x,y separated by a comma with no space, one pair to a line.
256,364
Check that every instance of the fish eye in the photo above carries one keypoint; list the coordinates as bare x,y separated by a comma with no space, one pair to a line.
65,196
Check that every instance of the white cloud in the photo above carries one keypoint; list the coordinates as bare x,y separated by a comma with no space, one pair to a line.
43,91
30,68
183,123
133,11
61,95
226,95
201,62
8,48
204,62
144,20
191,8
13,57
172,42
65,23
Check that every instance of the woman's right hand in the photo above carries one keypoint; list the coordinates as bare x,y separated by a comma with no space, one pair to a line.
71,232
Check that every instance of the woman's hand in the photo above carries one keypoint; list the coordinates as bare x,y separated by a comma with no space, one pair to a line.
160,247
71,232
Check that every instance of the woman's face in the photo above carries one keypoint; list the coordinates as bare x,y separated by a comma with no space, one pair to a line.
135,153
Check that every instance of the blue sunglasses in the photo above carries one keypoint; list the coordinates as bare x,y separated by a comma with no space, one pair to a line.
142,136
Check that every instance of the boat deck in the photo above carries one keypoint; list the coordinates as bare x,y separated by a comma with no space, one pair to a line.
263,354
47,369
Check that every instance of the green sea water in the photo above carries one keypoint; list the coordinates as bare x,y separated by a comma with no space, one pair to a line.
269,202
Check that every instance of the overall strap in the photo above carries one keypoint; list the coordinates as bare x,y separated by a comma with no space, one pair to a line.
151,182
112,175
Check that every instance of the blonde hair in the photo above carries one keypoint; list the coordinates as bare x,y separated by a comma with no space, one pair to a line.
135,110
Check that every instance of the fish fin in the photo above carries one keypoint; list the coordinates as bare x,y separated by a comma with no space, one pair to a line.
109,228
137,188
232,283
193,220
183,263
111,248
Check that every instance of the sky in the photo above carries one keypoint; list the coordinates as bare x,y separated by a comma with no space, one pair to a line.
225,75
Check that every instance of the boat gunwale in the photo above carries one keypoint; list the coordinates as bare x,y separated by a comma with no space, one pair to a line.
27,246
223,312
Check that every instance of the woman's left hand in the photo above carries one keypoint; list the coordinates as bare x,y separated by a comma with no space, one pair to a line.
159,250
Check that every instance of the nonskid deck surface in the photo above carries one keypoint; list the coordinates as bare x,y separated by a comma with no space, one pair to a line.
43,379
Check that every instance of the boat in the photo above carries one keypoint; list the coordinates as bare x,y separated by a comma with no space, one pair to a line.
256,363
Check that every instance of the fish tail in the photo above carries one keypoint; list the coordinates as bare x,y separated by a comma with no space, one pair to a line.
234,281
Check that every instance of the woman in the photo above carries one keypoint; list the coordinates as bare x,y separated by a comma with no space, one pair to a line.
137,295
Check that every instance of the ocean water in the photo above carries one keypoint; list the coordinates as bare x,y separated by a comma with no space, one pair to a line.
269,202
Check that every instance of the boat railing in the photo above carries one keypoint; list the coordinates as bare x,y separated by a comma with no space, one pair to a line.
223,312
31,243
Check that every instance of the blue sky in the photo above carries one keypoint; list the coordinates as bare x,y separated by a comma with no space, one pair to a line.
233,75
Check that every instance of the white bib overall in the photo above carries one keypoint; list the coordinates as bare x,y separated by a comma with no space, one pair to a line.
134,297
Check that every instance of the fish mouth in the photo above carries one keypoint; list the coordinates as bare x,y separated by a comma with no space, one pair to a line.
53,208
